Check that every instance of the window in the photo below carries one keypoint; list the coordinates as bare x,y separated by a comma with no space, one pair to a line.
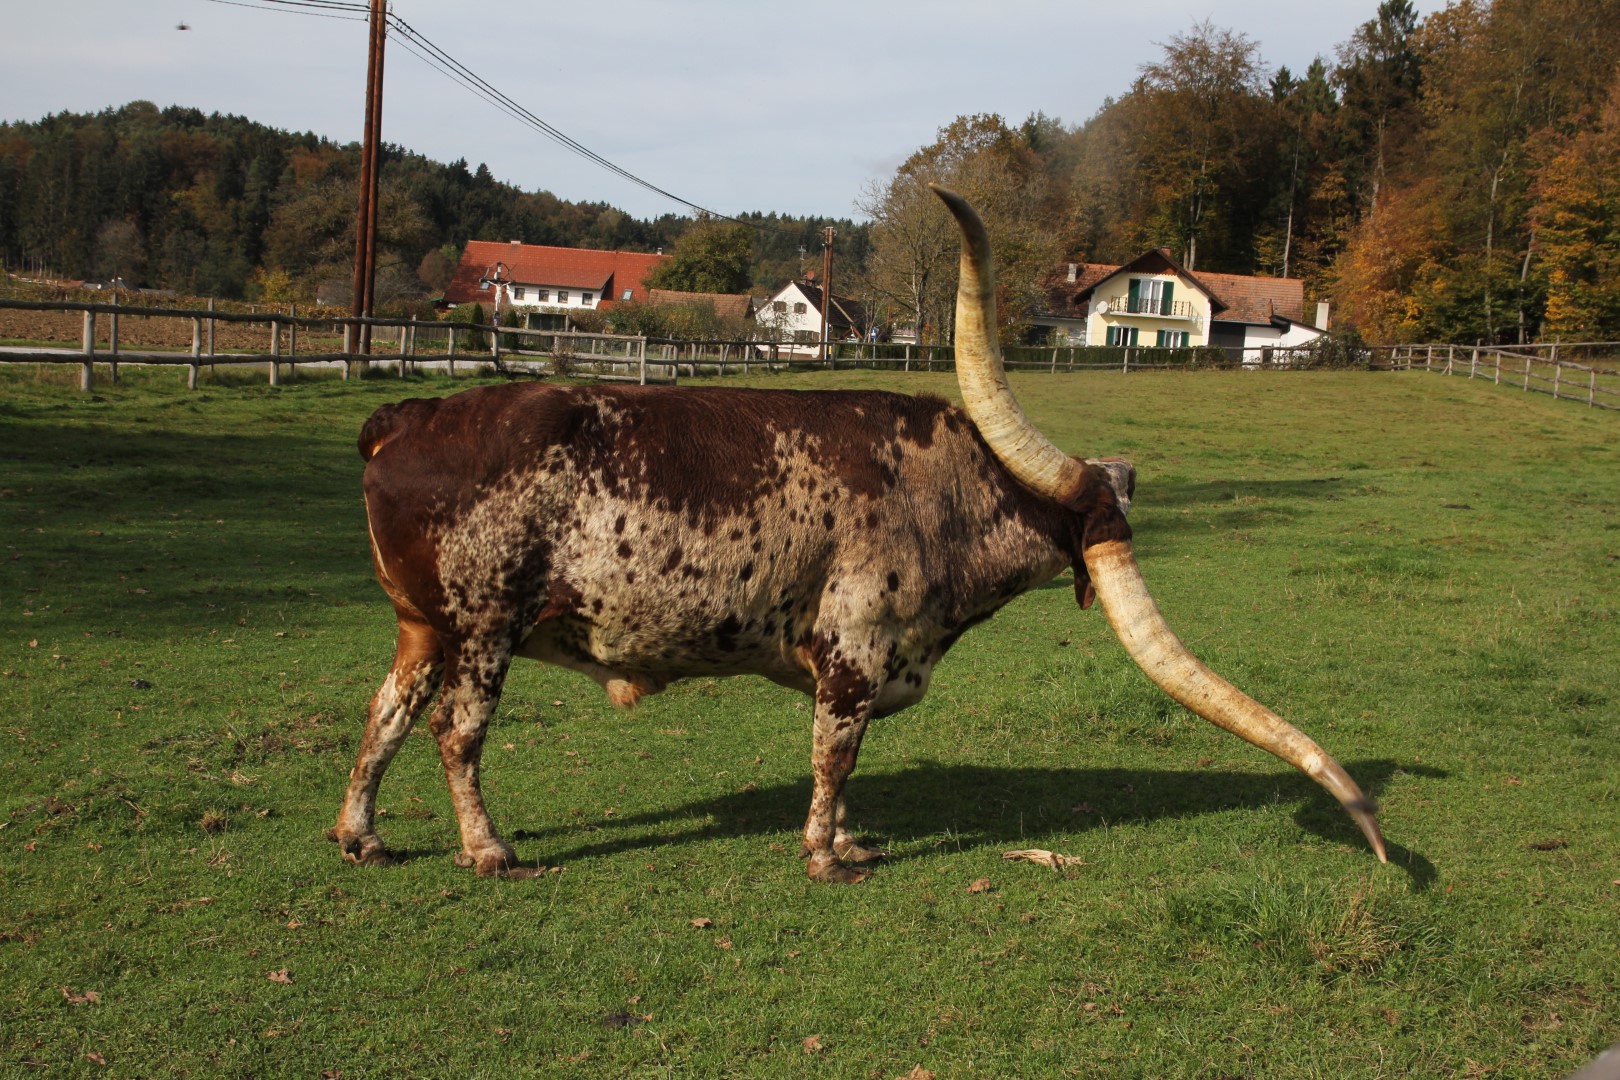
626,295
542,296
1122,335
562,296
1150,296
586,298
806,336
1173,339
779,305
799,308
517,292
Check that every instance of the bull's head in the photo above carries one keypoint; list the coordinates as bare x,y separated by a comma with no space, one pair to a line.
1099,491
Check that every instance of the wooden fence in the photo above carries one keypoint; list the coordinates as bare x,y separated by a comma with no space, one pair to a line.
442,345
1528,368
415,344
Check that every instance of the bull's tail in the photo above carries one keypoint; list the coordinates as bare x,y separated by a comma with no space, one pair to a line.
389,420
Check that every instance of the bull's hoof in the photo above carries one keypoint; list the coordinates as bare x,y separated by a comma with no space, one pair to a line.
367,850
833,872
852,852
497,861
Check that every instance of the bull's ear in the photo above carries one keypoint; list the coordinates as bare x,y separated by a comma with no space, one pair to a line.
1085,594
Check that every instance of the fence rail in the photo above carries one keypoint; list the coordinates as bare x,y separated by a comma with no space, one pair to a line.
1529,368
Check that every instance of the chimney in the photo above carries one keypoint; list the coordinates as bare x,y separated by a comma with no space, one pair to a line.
1073,273
1322,316
515,243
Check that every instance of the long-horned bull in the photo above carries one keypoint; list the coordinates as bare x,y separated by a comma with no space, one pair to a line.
837,542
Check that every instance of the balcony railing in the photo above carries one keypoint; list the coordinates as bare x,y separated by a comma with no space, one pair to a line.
1144,305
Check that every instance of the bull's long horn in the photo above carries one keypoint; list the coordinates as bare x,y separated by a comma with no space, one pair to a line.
1159,653
1026,453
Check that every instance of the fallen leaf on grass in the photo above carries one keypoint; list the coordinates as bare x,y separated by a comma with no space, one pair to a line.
919,1073
703,924
979,886
1550,844
812,1044
1045,858
723,943
95,1056
89,997
280,975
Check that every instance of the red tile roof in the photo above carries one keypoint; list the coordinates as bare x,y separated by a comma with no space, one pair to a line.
1257,299
725,305
610,272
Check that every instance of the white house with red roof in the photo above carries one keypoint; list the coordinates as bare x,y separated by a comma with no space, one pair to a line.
539,280
1153,301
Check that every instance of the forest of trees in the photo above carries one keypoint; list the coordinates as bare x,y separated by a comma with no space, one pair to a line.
1453,178
221,206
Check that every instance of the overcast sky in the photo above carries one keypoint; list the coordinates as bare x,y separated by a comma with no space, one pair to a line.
791,107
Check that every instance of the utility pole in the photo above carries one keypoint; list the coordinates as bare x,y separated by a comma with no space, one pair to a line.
365,240
826,285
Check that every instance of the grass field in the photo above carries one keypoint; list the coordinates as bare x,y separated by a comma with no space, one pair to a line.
1421,573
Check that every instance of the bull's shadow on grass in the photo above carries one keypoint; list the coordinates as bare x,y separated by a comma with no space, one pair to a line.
986,806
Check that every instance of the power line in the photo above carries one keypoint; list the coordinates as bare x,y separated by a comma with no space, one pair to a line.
291,9
431,54
458,71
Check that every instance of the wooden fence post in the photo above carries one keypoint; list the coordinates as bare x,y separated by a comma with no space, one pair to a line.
1591,387
1498,380
210,331
87,374
641,353
1527,374
450,350
112,338
275,351
1558,375
196,352
292,329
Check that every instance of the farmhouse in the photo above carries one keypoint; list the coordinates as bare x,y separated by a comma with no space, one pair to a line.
546,284
793,314
1154,301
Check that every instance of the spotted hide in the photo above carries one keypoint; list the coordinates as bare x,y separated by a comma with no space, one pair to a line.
835,542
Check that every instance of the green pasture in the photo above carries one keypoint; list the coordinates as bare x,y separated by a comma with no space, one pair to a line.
1420,572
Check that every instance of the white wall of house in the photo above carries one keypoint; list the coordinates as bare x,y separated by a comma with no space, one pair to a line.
1297,334
529,295
790,316
1188,311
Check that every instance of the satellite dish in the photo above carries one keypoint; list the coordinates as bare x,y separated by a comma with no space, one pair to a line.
1102,307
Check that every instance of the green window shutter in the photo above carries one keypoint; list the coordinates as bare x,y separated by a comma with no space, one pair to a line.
1169,294
1160,342
1134,296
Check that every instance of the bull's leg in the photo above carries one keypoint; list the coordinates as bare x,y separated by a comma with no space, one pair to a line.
844,699
474,675
418,668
